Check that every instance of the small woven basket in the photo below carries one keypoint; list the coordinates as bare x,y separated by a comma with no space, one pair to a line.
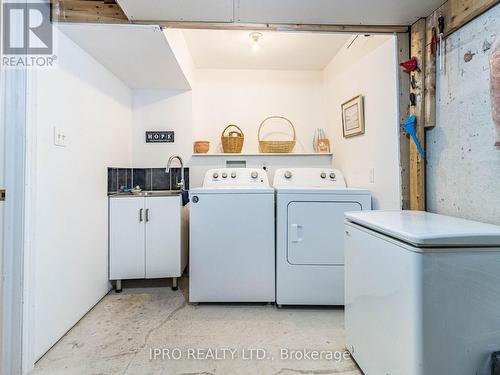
276,146
232,143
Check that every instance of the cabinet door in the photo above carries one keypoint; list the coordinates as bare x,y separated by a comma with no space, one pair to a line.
126,238
163,240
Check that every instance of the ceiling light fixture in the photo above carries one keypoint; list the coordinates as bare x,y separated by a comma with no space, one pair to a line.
255,36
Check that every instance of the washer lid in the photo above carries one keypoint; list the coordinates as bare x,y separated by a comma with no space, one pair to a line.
424,229
232,190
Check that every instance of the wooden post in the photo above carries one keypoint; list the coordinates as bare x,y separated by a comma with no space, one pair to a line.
430,77
417,163
403,40
457,13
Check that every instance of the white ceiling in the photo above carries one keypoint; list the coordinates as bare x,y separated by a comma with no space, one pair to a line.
140,56
229,49
340,12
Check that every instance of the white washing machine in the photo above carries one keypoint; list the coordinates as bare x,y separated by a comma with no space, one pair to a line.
422,293
311,203
232,249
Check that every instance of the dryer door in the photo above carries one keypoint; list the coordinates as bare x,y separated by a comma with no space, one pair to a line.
316,232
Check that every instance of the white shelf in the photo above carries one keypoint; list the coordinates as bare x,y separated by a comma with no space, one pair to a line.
309,154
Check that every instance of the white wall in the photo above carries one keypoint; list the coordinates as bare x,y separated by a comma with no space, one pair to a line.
310,99
221,97
463,166
164,110
177,42
161,110
246,97
198,165
69,238
368,67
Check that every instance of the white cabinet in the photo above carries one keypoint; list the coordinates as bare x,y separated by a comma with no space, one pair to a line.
147,238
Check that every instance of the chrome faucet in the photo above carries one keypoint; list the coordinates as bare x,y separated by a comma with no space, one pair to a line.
167,170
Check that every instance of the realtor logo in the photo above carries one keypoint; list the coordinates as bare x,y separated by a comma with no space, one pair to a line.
27,29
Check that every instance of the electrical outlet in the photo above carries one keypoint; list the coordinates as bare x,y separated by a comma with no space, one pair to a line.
372,175
59,137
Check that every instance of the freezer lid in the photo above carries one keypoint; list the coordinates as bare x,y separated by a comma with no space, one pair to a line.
425,229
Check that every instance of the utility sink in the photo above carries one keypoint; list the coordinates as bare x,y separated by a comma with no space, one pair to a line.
160,193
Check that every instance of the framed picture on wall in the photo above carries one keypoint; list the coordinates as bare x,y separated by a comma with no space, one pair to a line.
353,119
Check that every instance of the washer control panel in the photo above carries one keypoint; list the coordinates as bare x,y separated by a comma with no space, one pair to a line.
227,177
309,177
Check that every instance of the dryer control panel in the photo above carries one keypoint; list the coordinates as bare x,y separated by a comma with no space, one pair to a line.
236,177
309,177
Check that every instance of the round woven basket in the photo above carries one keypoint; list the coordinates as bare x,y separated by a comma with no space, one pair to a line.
232,143
276,146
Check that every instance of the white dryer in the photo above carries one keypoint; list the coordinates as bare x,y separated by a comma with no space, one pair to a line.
232,247
310,234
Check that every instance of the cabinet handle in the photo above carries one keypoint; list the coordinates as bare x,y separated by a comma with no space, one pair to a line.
147,215
140,215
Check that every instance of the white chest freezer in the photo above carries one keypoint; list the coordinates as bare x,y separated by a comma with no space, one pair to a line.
422,293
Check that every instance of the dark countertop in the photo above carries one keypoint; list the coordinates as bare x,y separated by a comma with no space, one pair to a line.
156,193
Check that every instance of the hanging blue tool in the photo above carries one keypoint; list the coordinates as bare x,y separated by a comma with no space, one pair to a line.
409,127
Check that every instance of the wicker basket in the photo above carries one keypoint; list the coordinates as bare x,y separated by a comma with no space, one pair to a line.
276,146
232,143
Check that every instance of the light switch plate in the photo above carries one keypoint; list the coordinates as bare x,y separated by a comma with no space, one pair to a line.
59,137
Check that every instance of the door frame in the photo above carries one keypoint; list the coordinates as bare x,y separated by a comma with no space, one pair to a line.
14,99
20,281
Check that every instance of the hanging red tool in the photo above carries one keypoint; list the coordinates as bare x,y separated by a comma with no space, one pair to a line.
410,65
434,41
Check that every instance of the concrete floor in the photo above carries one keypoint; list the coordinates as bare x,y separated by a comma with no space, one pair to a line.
120,333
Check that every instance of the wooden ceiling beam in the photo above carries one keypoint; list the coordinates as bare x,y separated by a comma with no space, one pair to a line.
108,11
87,11
369,29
